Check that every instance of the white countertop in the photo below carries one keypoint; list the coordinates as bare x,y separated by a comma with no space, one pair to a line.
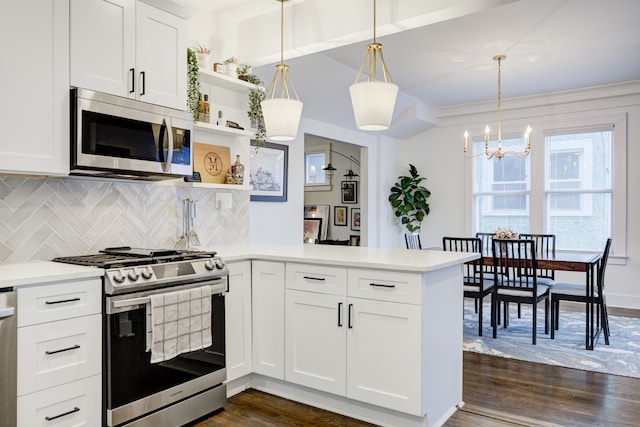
352,256
34,272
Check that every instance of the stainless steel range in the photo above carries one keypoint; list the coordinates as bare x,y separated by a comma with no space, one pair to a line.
152,374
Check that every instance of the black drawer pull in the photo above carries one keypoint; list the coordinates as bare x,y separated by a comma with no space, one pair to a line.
382,285
55,417
62,301
349,309
340,314
75,347
314,278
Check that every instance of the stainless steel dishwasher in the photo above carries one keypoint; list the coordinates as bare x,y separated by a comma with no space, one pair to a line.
8,358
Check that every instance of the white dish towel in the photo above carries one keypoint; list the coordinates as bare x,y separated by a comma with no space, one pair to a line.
178,322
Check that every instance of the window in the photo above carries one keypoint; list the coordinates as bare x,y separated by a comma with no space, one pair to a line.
501,189
573,184
314,162
578,186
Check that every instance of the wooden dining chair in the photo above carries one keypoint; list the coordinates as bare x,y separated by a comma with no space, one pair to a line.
545,247
515,280
577,292
476,283
412,240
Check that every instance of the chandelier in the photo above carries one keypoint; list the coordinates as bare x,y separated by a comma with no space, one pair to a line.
499,154
373,101
281,114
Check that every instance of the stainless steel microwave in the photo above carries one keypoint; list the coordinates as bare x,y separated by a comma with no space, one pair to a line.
115,137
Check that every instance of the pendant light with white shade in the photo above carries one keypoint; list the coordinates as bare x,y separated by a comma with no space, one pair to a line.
373,100
281,114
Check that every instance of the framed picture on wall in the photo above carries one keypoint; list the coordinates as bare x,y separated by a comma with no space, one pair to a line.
355,219
354,240
340,216
349,191
268,174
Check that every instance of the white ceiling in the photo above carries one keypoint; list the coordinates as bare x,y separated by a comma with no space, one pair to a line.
551,45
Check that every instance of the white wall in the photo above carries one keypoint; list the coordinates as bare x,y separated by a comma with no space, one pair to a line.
438,156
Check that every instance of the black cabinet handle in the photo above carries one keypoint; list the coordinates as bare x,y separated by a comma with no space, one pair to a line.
62,301
350,326
339,314
133,80
382,285
55,417
62,349
143,75
321,279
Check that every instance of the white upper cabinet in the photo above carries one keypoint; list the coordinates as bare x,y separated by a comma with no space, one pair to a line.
129,48
34,88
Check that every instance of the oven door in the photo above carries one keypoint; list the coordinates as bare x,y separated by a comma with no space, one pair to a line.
135,386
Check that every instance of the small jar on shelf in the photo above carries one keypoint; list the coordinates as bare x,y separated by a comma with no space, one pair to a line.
237,170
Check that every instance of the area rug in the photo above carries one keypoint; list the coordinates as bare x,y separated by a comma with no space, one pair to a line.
621,357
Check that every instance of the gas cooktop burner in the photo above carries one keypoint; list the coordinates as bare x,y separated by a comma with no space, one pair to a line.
133,269
126,256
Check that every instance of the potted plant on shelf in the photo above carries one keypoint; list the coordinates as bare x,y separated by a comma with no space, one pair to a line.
202,53
244,72
256,95
193,84
231,66
409,200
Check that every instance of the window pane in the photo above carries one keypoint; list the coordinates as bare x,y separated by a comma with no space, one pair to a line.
583,231
579,190
314,162
488,218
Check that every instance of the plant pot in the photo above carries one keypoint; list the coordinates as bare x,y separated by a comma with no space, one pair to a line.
204,61
231,69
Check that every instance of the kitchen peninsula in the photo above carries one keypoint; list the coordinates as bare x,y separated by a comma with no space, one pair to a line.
372,333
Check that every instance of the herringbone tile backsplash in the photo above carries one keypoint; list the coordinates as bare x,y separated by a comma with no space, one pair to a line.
44,218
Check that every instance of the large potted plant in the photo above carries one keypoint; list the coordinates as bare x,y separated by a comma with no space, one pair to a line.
409,200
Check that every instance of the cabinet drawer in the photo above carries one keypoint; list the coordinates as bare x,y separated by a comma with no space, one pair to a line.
58,352
74,404
394,286
58,301
316,278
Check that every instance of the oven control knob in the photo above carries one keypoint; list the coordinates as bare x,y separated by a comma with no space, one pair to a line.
118,277
133,276
146,273
219,264
208,265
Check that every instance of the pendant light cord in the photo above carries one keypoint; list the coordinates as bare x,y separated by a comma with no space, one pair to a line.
374,21
282,31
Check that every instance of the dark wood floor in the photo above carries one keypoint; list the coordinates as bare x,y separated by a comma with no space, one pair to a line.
497,392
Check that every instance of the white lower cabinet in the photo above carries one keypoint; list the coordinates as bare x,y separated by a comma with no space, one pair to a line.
366,349
267,288
60,354
315,341
384,354
238,320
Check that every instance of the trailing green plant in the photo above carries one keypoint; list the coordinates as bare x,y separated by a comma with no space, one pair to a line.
193,84
256,95
409,200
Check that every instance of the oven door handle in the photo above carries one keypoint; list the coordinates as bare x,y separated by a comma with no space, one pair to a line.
217,287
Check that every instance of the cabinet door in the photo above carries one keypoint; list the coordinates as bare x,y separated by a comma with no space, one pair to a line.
238,320
34,88
315,341
384,354
103,46
161,57
267,290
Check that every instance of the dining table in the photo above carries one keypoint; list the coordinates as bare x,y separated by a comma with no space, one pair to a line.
576,262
